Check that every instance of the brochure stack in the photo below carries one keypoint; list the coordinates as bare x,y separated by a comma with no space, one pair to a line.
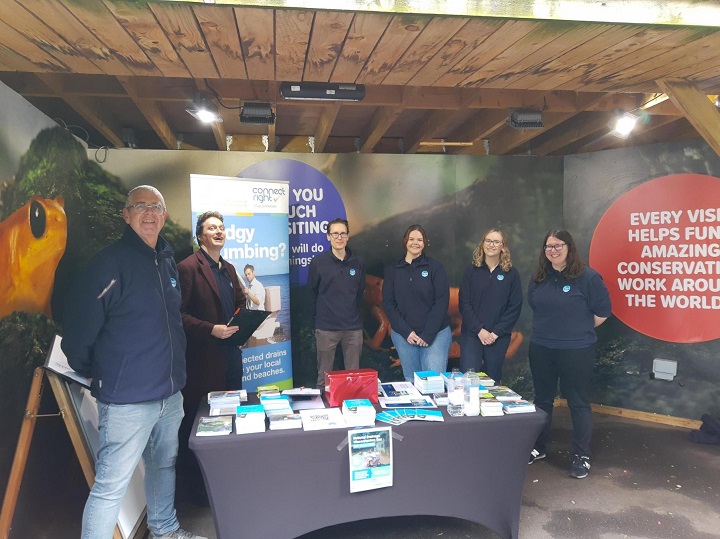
225,402
358,413
249,419
429,382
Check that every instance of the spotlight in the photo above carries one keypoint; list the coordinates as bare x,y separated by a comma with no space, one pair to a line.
254,112
624,124
525,119
203,109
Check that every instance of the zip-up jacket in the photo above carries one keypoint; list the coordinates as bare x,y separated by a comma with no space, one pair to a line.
416,297
337,288
122,324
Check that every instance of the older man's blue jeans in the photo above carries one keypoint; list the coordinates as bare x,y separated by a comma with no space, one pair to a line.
127,432
423,358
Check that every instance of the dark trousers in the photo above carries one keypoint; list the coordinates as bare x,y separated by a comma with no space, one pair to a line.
488,359
326,342
573,368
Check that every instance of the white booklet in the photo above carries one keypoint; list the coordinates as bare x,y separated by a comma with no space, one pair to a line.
58,363
371,458
325,418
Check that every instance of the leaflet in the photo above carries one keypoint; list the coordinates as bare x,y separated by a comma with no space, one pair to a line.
371,458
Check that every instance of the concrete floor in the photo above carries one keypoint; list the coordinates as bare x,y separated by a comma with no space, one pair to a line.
646,481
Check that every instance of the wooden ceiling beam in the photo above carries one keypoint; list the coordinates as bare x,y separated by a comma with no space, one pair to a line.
606,140
84,109
218,128
478,129
324,127
582,126
152,113
432,124
508,140
696,107
380,122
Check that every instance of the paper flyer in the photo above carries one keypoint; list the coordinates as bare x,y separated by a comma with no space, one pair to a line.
371,458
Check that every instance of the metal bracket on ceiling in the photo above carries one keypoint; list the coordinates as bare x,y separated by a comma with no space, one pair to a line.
356,143
311,143
486,146
228,142
266,142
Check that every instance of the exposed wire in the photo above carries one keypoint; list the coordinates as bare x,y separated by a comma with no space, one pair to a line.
69,128
218,99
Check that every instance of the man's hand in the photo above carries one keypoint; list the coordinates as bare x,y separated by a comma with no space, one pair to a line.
221,331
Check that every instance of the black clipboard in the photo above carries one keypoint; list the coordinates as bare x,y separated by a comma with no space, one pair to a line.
248,321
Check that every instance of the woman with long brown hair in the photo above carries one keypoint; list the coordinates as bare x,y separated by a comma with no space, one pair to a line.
569,300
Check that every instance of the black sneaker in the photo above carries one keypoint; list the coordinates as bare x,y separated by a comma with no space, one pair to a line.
536,455
580,467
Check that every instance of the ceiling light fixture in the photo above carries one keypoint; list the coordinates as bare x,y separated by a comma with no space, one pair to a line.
322,91
256,112
203,109
525,119
624,124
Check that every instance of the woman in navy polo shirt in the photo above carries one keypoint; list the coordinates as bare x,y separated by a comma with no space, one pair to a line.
490,303
569,300
415,295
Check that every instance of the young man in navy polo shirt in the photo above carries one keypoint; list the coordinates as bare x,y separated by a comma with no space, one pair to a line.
336,279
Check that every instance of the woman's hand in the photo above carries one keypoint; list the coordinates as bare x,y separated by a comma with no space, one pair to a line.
486,337
414,339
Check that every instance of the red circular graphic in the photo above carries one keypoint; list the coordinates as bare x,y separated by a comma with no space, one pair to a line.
658,250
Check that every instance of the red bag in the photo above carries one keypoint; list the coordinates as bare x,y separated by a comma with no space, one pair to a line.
352,384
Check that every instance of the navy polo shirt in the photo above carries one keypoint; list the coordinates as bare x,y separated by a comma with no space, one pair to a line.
490,300
564,309
416,297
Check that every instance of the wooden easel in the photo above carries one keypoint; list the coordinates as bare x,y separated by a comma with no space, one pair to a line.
73,425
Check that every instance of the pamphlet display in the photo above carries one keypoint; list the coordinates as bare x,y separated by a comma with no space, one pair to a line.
371,458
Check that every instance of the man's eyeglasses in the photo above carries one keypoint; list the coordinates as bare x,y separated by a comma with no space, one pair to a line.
336,235
556,247
494,243
142,207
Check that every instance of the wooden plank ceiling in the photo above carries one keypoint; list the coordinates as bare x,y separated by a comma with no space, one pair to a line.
431,81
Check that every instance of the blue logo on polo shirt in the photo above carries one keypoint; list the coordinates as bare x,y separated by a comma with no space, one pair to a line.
425,273
173,282
352,271
566,288
501,277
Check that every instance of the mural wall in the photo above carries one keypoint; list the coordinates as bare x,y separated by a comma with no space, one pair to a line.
649,220
59,206
456,199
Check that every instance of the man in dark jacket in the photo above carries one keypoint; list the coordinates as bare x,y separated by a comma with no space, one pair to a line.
336,279
211,294
122,329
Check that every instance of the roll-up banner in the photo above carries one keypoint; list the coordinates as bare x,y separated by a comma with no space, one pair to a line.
255,214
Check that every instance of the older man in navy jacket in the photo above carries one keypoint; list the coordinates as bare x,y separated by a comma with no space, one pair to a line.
122,328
